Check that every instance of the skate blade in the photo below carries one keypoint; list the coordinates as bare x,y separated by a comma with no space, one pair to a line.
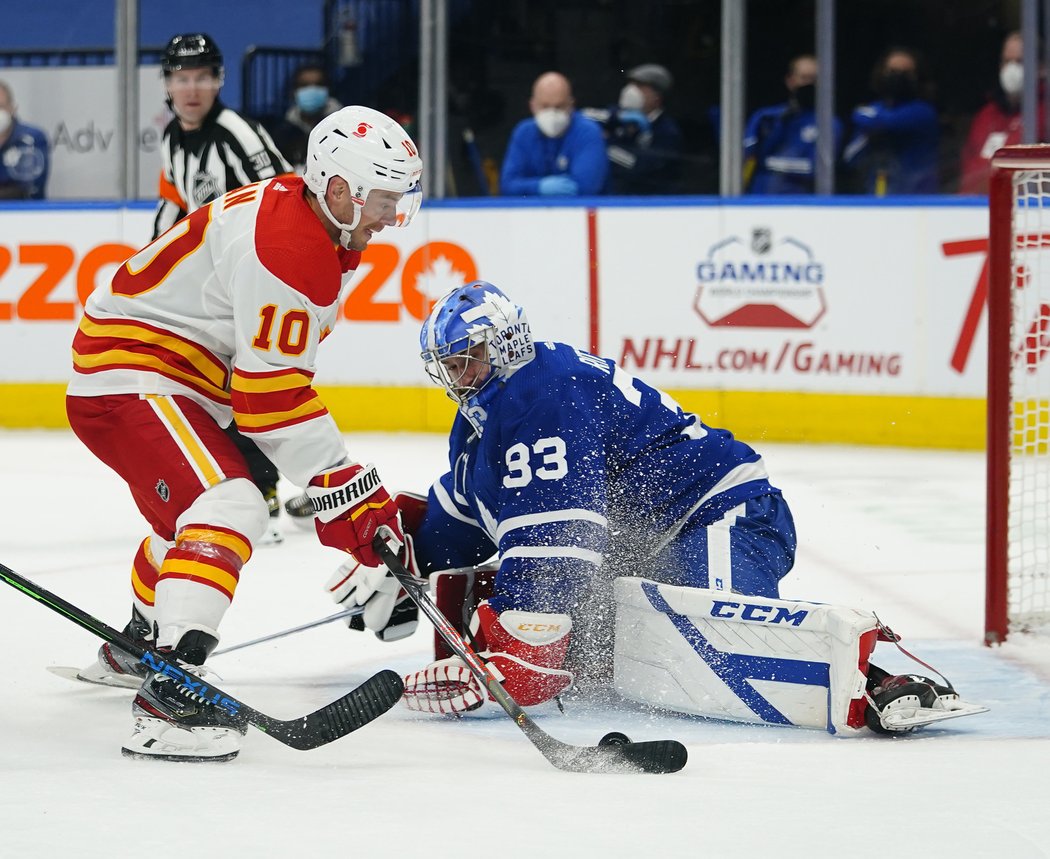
916,717
114,681
179,759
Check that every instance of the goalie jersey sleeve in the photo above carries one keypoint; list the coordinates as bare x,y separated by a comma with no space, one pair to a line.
579,461
228,308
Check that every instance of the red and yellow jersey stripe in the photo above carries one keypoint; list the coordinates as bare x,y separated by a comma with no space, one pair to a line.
265,401
128,344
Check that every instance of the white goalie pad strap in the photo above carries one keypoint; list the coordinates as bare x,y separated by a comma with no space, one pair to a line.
750,659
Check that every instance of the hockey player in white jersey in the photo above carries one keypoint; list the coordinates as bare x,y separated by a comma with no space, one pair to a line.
221,318
209,149
633,543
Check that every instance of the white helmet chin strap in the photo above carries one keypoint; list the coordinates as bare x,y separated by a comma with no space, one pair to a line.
344,229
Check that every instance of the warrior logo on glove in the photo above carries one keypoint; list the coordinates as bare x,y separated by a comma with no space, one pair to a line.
351,507
361,488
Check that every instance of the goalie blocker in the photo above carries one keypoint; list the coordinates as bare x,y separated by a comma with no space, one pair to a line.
753,659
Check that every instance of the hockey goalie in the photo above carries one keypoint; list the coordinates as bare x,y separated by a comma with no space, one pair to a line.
637,549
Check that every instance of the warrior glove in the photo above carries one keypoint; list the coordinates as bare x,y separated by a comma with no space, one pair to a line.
351,507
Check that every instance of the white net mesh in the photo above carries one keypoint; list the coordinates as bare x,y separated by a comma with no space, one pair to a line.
1028,565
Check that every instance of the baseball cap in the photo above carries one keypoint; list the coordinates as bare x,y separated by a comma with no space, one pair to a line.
650,73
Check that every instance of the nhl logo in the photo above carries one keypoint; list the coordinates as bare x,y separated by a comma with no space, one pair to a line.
761,240
162,490
205,188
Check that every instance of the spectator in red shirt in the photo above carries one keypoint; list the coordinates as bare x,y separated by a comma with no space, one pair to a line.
998,123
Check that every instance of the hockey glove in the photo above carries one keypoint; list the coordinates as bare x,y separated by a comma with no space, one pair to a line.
413,510
351,507
388,610
524,650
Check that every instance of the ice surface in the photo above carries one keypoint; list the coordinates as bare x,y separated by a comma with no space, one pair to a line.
896,531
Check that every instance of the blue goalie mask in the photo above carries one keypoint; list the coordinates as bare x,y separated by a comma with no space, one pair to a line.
474,339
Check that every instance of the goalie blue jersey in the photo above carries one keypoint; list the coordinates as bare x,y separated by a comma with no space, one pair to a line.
579,465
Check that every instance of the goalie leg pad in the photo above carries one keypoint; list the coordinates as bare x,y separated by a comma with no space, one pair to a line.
750,659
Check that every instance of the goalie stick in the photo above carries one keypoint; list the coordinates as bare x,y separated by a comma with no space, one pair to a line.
614,754
355,709
339,615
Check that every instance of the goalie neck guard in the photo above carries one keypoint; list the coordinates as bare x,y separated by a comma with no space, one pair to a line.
473,341
370,152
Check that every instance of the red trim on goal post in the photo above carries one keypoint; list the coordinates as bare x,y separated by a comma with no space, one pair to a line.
999,409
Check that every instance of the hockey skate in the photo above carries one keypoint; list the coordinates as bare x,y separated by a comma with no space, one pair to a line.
173,723
301,510
902,703
115,667
272,536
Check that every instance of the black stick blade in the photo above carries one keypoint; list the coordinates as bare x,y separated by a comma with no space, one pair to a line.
357,708
654,756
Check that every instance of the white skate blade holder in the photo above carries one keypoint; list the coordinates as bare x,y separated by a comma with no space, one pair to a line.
904,716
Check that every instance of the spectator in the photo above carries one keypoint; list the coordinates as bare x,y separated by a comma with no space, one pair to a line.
643,142
894,146
24,159
558,152
998,123
780,143
312,102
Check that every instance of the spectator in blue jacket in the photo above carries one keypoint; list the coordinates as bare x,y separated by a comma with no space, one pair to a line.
556,153
780,143
24,159
894,145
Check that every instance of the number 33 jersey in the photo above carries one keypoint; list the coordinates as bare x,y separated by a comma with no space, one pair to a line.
580,463
228,308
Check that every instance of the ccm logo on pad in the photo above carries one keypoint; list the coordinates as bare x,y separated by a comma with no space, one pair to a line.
539,627
756,612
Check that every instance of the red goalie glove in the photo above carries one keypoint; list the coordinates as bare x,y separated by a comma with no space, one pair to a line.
524,650
351,507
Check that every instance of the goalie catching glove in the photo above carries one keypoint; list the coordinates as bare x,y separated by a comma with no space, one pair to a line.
523,649
351,507
388,609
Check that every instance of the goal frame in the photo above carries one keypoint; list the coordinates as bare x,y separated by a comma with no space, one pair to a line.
1005,163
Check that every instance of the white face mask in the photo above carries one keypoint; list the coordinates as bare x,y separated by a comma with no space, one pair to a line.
5,120
1011,78
552,122
632,97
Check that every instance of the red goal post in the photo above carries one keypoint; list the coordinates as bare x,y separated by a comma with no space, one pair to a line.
1017,590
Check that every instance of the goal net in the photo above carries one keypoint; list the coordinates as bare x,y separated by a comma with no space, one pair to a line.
1018,514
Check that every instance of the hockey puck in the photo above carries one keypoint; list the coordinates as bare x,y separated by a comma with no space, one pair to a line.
614,738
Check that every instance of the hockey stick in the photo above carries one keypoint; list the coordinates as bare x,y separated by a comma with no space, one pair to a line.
346,612
357,708
614,754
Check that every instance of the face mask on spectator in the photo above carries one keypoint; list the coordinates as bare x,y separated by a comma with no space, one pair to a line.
5,120
805,96
632,98
898,85
1011,78
552,122
311,99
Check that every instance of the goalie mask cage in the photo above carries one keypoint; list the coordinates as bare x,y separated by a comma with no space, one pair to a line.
1017,598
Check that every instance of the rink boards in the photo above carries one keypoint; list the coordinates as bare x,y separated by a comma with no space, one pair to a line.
798,320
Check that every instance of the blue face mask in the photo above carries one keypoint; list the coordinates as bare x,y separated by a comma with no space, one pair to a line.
311,99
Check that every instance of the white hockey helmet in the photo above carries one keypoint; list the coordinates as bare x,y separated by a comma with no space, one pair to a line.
371,152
